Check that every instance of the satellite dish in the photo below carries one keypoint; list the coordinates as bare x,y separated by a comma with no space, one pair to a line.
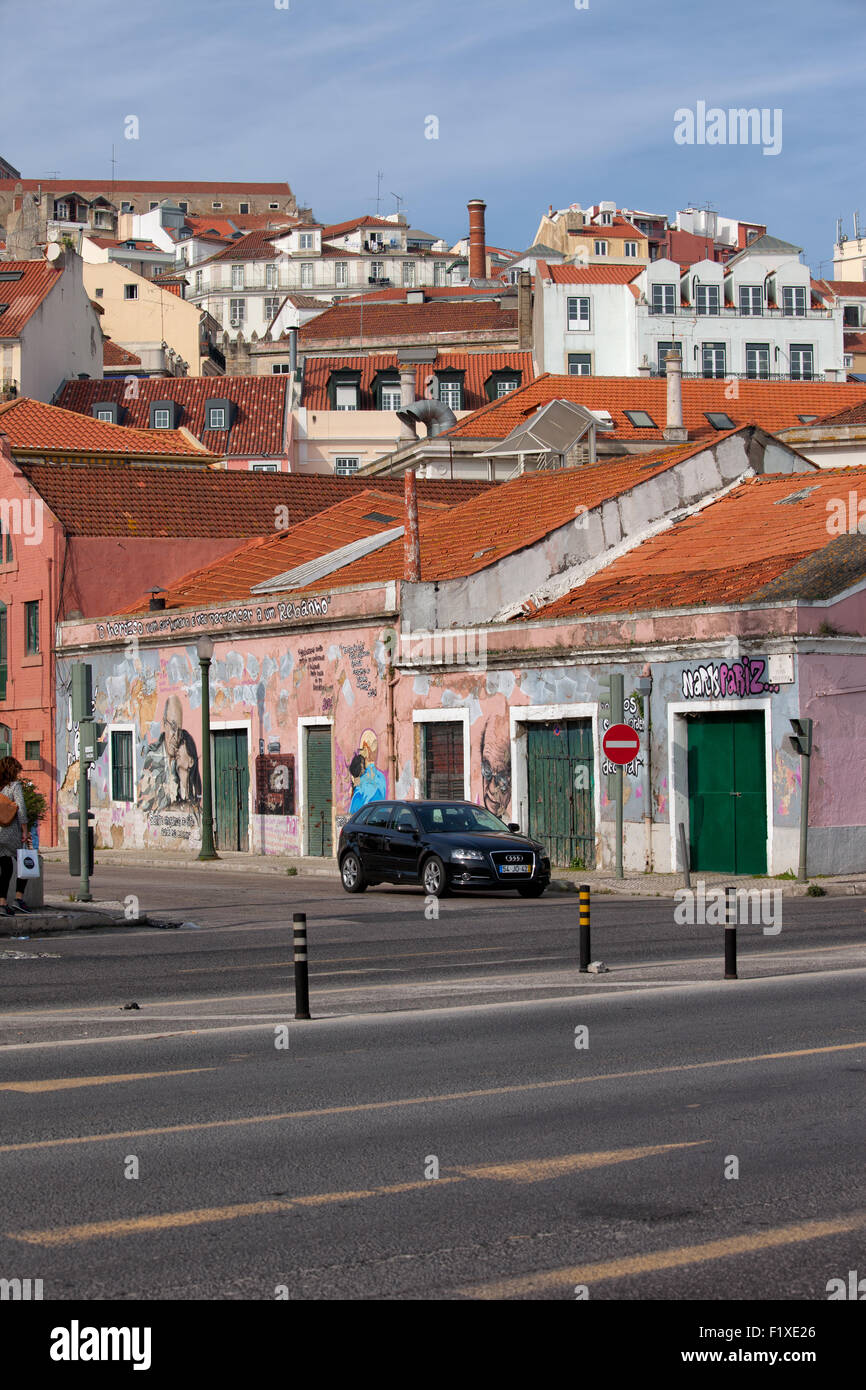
52,251
54,235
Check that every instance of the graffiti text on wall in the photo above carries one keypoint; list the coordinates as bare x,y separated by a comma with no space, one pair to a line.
224,617
359,659
718,679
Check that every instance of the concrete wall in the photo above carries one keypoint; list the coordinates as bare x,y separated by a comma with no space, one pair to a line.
62,338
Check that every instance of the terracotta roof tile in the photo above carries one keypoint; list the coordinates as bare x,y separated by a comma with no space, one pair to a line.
123,500
33,427
23,295
253,246
589,274
773,405
477,366
406,320
341,228
113,355
257,431
778,520
152,186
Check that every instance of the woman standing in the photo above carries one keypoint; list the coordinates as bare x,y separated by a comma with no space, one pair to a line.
12,836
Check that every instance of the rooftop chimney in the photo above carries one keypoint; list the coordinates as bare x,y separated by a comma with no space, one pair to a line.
674,430
411,538
407,398
477,240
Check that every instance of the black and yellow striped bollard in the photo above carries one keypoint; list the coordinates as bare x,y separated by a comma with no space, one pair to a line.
584,928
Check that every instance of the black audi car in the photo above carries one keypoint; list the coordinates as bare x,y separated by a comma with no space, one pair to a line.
441,845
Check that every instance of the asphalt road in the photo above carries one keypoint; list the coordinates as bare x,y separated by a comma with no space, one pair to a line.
232,960
307,1170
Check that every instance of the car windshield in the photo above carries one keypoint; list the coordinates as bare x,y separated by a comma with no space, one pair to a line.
445,818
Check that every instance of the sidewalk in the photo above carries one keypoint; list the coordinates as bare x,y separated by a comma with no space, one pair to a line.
564,880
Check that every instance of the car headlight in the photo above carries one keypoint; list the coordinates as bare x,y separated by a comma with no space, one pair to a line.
466,854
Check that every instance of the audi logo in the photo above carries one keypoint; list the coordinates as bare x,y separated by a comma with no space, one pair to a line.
514,858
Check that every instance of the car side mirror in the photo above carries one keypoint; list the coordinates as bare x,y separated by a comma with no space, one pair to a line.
512,825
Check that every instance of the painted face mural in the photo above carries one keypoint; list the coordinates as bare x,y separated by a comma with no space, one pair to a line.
170,775
368,783
495,772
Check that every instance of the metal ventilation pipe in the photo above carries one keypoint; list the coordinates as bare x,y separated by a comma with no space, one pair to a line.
674,430
293,351
407,399
437,416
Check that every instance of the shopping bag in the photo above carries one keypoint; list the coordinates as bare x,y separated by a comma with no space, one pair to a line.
28,863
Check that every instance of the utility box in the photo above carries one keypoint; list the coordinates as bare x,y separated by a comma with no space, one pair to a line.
34,888
74,842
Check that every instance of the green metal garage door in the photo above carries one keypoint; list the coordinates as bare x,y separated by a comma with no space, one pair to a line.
560,777
728,792
231,780
320,796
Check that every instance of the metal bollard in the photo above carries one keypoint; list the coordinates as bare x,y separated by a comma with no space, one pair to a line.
584,928
730,934
302,978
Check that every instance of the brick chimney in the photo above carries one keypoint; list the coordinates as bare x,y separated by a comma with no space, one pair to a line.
524,309
411,538
477,240
674,430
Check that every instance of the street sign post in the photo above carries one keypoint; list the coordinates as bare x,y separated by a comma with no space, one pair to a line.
621,744
614,685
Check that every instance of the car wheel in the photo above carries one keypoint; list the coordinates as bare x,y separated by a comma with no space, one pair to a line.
433,878
352,874
531,890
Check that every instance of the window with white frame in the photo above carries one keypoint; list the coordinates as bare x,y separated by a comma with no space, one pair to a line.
802,361
130,291
237,311
377,270
341,273
391,396
106,415
306,275
263,468
713,359
578,312
305,241
346,397
408,272
580,364
794,301
237,277
162,419
505,385
122,764
757,361
270,277
606,219
600,248
707,300
451,392
243,209
216,417
274,207
663,299
345,465
663,349
439,277
847,359
199,281
271,306
216,206
751,301
629,248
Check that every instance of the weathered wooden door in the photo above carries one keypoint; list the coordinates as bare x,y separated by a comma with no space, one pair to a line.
231,782
443,761
319,791
727,793
560,778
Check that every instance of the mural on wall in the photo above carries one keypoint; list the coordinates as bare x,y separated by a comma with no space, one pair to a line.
368,781
170,773
495,770
716,679
275,784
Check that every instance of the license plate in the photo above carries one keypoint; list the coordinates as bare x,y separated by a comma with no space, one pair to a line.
514,868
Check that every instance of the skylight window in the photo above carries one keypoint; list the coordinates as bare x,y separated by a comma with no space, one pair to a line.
11,274
806,419
719,420
379,516
640,419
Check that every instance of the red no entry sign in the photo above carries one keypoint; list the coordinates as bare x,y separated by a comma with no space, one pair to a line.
621,744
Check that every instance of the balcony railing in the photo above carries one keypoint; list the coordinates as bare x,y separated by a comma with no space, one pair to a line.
750,376
732,311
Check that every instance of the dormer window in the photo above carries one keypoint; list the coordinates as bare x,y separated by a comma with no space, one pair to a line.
663,299
305,241
344,389
606,219
106,411
794,301
502,382
449,384
164,415
218,413
707,299
216,418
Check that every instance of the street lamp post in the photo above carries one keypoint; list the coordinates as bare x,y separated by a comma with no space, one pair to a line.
204,646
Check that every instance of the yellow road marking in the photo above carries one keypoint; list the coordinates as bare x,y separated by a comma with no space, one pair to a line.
666,1259
374,1105
69,1083
533,1170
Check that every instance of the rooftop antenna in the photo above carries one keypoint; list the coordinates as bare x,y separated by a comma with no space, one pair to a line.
857,232
113,169
839,233
379,177
399,200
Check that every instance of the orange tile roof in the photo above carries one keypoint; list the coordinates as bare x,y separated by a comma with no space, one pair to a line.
477,366
255,562
773,405
696,563
257,430
618,228
151,186
23,295
34,427
113,355
116,499
341,228
515,515
846,289
389,321
589,274
253,246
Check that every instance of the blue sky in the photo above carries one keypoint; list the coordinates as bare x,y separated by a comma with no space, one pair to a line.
537,102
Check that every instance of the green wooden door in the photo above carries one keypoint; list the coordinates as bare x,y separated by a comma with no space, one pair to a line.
727,793
231,789
319,791
560,778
